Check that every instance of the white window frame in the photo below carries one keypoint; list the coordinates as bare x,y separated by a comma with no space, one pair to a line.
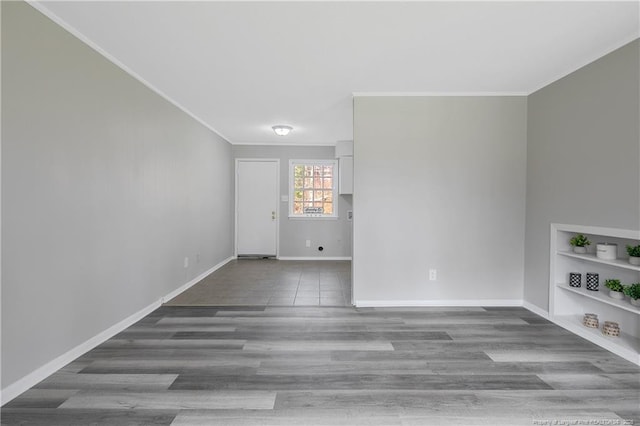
292,164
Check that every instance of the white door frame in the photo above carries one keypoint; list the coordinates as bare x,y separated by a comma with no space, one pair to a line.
235,178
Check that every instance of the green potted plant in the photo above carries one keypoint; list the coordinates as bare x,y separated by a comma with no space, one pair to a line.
579,243
634,254
633,291
615,288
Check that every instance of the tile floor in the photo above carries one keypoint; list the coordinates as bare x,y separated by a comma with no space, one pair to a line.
270,282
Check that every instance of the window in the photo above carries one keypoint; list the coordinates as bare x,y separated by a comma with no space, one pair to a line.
313,188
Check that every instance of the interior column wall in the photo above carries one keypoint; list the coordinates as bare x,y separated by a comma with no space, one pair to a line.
439,183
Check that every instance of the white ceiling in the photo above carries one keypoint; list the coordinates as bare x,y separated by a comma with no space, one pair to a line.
241,67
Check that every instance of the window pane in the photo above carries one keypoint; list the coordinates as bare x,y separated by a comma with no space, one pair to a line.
308,182
317,204
328,171
308,195
298,182
328,183
317,171
308,170
298,171
317,182
328,208
317,196
328,196
297,195
297,207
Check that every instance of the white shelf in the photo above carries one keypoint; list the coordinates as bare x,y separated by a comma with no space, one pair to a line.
598,230
625,345
619,263
601,296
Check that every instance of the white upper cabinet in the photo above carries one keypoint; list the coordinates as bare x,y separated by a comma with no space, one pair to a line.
344,149
345,186
344,154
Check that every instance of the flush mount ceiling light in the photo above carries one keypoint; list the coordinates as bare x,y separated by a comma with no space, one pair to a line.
282,130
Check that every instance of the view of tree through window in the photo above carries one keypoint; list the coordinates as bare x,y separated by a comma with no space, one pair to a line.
313,189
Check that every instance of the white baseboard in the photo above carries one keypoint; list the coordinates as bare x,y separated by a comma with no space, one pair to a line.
421,303
314,258
536,310
33,378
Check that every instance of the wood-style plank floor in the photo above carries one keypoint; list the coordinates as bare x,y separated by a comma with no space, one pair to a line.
262,365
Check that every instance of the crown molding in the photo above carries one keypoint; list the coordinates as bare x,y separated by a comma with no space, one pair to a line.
436,94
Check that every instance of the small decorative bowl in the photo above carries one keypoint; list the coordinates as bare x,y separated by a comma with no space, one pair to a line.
611,328
590,320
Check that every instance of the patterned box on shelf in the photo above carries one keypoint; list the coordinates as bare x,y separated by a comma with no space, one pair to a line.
593,281
575,279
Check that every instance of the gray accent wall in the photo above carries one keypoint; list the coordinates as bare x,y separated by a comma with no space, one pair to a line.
106,188
334,235
439,182
583,157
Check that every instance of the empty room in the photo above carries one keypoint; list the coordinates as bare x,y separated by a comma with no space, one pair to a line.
320,213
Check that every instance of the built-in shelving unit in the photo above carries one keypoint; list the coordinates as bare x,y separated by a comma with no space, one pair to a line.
567,305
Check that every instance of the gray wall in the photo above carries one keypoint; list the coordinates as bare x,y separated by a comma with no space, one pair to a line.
583,157
439,183
106,187
333,235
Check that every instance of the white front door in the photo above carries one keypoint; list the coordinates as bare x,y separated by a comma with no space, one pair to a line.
257,207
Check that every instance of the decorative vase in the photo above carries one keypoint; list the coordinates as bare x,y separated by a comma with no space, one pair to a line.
593,281
579,250
634,260
616,295
635,302
606,251
575,279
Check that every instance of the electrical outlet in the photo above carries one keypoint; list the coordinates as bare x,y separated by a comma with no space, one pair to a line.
307,243
433,275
